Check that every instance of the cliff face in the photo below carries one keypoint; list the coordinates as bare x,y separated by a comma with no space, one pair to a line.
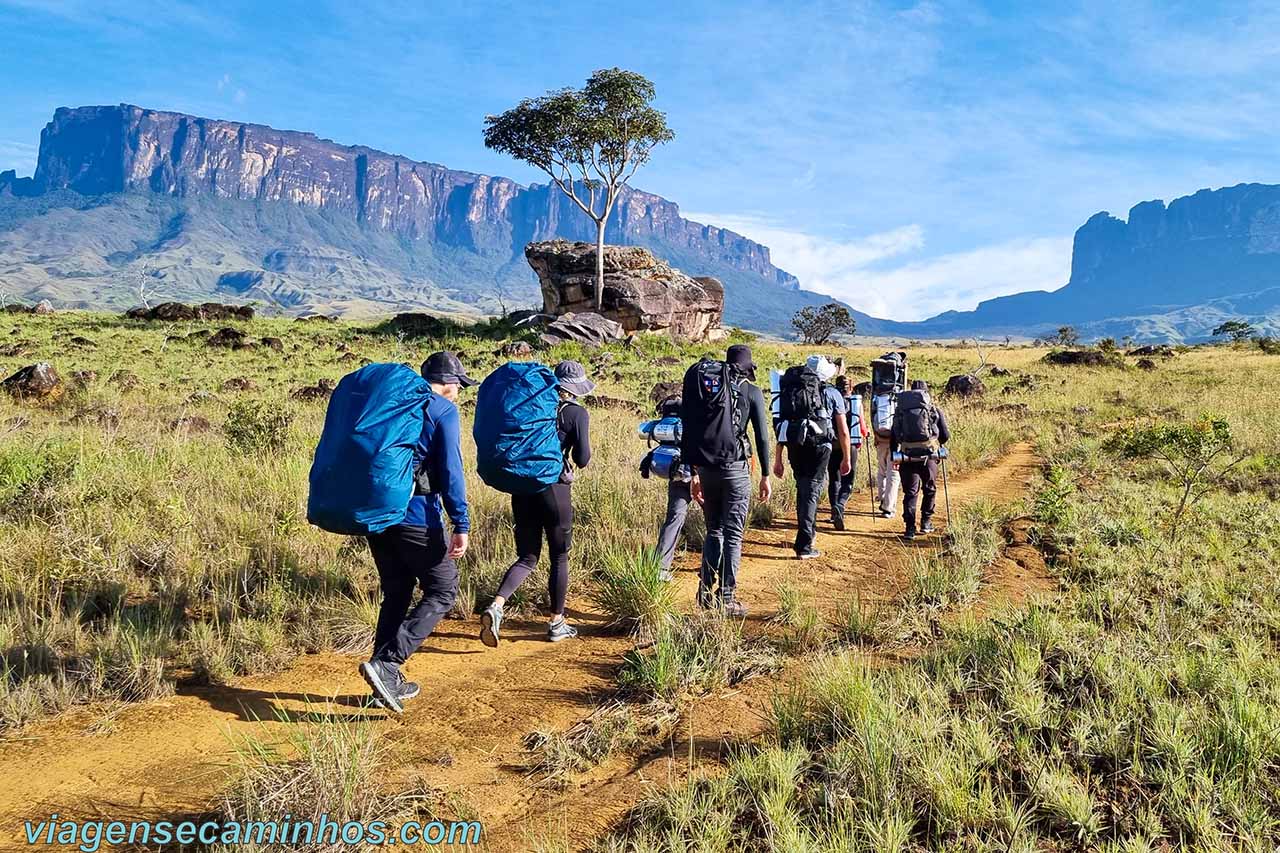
97,150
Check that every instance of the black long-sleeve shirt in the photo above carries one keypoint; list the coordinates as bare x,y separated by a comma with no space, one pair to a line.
758,414
574,426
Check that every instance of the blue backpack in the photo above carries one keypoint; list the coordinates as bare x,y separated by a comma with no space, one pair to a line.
516,432
362,478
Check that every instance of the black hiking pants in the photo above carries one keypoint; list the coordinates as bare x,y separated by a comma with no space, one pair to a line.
549,513
406,557
918,475
809,467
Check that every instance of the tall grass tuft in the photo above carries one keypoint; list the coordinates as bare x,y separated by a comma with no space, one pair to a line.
630,588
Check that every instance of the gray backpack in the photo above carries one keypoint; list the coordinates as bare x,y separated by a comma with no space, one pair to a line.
915,424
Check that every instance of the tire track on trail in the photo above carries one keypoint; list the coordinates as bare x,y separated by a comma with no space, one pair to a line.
464,734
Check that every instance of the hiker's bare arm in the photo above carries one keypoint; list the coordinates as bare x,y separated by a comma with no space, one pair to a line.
842,435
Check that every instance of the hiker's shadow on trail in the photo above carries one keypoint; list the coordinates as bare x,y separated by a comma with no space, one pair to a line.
252,706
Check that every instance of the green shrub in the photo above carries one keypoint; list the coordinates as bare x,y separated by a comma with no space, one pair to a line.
254,426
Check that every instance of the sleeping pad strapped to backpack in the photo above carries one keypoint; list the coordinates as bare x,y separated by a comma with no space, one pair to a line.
517,443
714,410
362,477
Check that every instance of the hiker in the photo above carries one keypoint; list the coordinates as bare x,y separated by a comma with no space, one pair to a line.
414,552
678,498
718,401
888,378
840,485
812,418
919,430
548,512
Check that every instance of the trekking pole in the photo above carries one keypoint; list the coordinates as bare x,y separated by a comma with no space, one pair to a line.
871,486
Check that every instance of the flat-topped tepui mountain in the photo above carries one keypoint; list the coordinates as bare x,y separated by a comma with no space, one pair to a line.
1171,272
126,199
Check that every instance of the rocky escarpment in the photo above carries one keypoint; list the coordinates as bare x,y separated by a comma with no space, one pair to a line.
107,149
641,292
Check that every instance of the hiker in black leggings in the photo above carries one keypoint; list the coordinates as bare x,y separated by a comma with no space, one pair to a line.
548,513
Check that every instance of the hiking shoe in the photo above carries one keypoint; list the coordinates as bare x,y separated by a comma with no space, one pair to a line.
734,607
886,513
561,630
666,576
490,625
406,690
837,521
384,679
810,554
909,536
927,527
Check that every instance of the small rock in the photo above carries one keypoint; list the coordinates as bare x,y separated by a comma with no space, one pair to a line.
662,391
125,380
965,385
600,401
1080,358
229,338
583,328
320,391
81,341
44,306
190,424
347,358
15,349
39,381
997,370
201,396
239,383
514,349
273,343
1146,364
83,378
315,318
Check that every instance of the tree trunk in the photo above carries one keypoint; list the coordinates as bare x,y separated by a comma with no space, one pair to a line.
600,263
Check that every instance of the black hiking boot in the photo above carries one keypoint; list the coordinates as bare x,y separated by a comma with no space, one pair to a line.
927,527
837,521
384,679
909,535
809,554
405,691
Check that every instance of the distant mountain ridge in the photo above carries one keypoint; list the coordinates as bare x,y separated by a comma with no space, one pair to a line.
370,230
1171,272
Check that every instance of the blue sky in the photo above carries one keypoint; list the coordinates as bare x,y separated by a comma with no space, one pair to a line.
906,157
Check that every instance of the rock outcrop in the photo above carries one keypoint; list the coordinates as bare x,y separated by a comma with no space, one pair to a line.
173,312
965,385
590,329
641,292
39,381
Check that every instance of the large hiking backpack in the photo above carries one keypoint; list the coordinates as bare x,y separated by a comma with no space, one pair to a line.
804,417
516,431
882,410
362,477
914,424
889,373
714,409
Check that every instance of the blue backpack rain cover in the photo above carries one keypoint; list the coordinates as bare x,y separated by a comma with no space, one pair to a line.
362,477
517,441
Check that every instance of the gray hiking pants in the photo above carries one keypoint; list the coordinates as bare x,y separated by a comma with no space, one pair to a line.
887,479
726,496
678,498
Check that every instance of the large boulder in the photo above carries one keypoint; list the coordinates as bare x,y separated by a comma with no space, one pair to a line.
641,292
39,381
966,385
590,329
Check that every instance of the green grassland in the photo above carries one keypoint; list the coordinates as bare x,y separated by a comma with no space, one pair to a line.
152,530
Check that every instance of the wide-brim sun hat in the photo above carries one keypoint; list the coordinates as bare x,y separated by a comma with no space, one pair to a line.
821,366
572,377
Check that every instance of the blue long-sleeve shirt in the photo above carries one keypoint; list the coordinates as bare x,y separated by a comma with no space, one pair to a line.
440,445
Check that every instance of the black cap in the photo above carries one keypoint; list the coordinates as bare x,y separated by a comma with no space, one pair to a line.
444,368
739,355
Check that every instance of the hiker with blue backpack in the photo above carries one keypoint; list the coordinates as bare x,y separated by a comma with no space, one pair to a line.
718,401
531,434
389,467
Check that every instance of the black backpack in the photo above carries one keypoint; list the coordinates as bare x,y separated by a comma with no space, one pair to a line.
714,409
802,409
914,424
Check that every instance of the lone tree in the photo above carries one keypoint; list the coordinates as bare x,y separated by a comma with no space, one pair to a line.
1067,336
590,141
816,324
1238,330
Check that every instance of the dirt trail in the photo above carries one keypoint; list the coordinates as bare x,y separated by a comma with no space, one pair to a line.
464,734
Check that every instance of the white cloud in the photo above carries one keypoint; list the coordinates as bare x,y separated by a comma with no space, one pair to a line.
19,156
224,82
877,273
240,96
